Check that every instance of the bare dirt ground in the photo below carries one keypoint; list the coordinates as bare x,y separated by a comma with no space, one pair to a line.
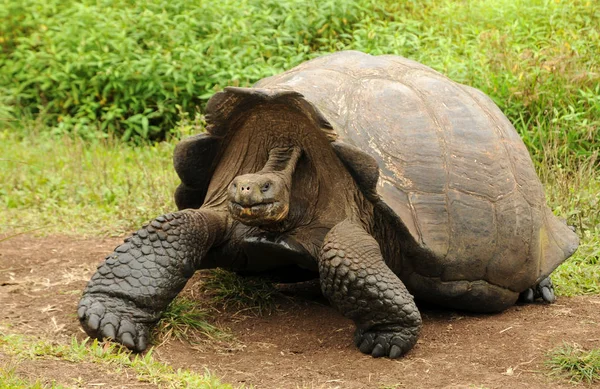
304,344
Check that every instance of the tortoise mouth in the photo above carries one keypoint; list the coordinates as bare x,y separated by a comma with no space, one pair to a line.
258,214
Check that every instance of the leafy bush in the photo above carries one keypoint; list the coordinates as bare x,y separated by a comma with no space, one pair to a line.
125,66
130,67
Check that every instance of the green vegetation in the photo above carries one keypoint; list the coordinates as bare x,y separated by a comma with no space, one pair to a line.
184,319
145,367
125,66
253,294
108,71
10,380
574,193
572,362
63,184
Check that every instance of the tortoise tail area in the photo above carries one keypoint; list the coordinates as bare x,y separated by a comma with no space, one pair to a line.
557,242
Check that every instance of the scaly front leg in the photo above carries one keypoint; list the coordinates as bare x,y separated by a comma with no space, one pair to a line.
356,280
136,283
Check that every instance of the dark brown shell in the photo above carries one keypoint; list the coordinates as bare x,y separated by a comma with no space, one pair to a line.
452,167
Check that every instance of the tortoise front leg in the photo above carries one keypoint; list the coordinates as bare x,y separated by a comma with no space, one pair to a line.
136,283
356,280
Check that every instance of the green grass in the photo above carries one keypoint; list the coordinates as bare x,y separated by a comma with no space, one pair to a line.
579,275
248,294
67,185
10,380
576,364
185,320
573,193
145,368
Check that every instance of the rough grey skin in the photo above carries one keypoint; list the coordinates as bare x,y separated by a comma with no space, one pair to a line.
378,175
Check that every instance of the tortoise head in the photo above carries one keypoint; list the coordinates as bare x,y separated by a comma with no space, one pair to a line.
263,198
260,198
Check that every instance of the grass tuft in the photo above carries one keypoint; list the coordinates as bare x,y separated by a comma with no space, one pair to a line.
573,362
249,294
185,320
10,380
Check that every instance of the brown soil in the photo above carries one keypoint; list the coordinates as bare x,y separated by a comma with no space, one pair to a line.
304,344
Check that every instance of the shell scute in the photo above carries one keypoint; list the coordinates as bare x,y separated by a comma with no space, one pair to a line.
514,225
433,227
474,160
474,237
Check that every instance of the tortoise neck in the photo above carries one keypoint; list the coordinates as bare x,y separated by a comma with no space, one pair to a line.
282,159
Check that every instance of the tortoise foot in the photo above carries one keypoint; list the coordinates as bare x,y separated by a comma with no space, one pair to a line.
386,342
103,317
544,290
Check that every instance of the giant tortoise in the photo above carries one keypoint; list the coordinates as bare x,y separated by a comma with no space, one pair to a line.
377,174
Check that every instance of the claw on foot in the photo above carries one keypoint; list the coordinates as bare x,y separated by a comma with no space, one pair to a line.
544,290
121,323
386,343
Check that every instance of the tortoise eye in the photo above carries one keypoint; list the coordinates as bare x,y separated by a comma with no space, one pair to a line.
266,187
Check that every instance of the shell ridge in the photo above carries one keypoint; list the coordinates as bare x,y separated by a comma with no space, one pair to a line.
419,239
413,212
496,239
351,112
241,100
566,250
499,133
416,66
444,148
466,192
347,74
502,138
477,281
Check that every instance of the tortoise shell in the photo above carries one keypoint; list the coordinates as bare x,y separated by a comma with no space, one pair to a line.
455,178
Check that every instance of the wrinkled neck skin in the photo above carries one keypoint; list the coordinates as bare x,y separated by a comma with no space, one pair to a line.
282,160
282,140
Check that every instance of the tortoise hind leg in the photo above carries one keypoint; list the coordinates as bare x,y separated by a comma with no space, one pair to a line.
544,290
357,282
